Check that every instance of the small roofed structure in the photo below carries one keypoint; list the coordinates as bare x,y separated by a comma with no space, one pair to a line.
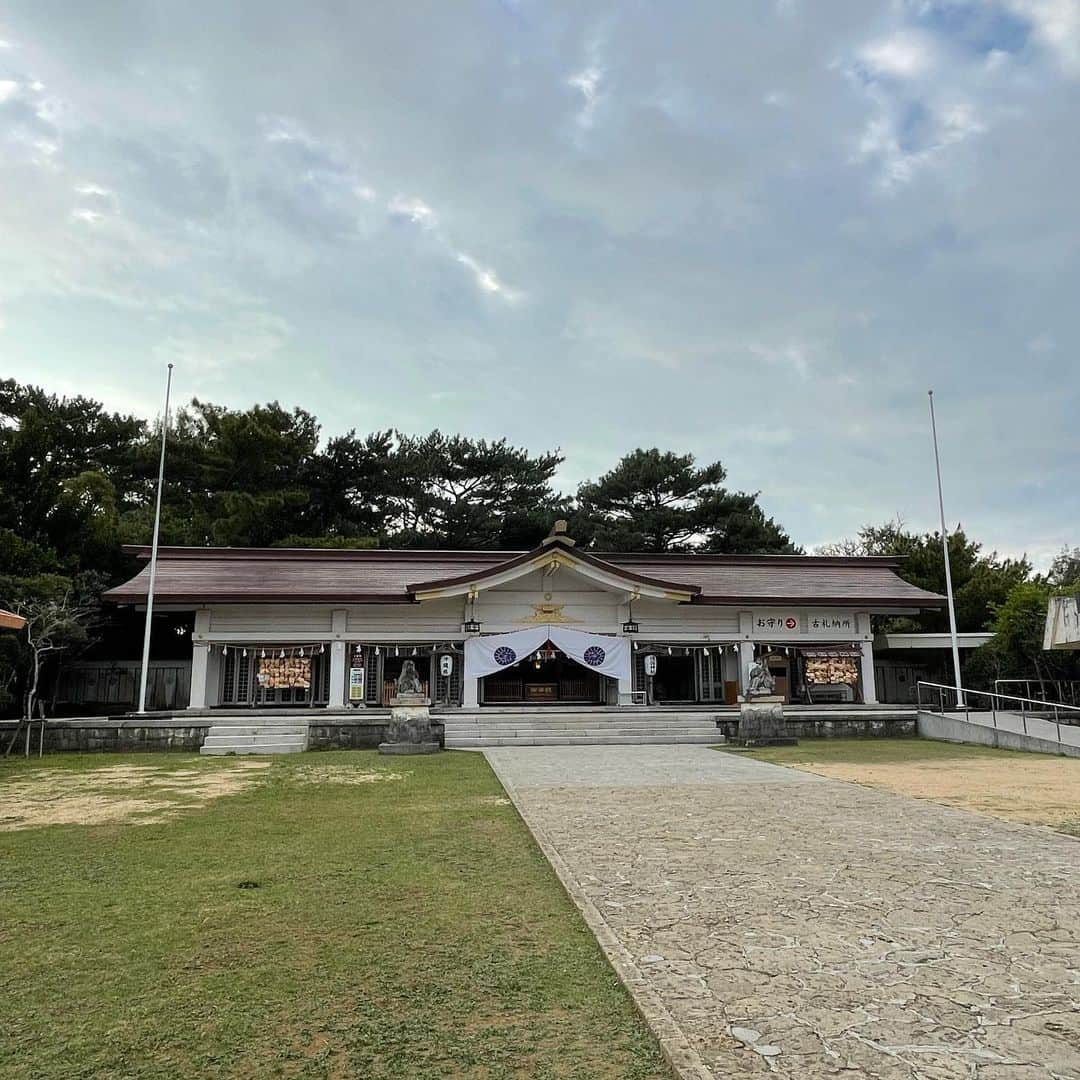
10,621
1063,623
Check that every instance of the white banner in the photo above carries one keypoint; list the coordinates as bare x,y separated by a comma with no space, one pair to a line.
598,652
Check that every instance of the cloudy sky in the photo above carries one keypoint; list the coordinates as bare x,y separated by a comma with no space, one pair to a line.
757,231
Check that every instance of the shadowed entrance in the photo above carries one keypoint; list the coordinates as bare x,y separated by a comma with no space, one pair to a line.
547,676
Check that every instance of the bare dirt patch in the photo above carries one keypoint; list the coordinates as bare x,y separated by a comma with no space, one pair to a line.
340,774
108,796
1030,788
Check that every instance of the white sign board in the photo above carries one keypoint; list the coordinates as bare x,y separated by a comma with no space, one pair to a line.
356,684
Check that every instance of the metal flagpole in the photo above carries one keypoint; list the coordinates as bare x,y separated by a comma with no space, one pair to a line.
153,551
948,567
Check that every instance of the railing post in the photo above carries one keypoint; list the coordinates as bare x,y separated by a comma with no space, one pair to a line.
993,709
1057,721
1023,715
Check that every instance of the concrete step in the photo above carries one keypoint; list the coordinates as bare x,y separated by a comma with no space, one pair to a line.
266,747
245,740
237,730
584,721
583,740
267,738
580,733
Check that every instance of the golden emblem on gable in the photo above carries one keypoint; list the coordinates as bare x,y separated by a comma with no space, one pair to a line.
547,613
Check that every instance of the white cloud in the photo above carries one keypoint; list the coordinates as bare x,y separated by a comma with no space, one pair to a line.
362,191
93,190
796,355
1056,25
91,217
487,279
880,142
242,338
7,89
1042,344
413,209
587,82
903,55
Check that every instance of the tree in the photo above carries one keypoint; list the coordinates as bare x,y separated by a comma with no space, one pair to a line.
56,619
233,477
456,492
1065,569
68,465
654,501
981,581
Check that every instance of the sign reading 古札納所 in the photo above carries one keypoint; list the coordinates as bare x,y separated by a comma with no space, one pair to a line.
831,623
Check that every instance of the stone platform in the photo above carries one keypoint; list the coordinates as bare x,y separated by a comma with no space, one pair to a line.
410,729
761,722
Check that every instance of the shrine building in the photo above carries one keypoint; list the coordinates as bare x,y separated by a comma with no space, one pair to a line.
330,628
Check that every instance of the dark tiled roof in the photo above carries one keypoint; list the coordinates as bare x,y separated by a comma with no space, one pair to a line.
288,575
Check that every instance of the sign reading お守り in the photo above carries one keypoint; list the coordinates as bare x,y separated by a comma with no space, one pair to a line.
776,622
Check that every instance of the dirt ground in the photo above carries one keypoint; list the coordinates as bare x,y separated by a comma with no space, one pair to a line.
136,794
147,794
1031,788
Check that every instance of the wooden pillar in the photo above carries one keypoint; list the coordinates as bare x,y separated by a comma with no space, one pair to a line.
338,627
866,674
746,661
199,656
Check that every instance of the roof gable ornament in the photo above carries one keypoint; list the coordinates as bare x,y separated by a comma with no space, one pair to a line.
559,535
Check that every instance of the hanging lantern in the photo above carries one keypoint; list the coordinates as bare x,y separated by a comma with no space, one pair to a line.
301,650
282,656
376,650
243,651
263,654
395,650
322,647
669,650
471,626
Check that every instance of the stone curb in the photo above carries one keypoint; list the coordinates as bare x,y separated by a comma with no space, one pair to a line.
684,1060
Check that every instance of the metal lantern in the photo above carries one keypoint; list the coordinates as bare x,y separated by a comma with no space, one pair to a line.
471,626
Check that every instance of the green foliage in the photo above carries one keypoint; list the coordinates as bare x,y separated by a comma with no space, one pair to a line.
1064,573
980,581
656,501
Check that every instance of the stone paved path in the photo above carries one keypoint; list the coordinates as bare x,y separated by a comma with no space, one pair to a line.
805,927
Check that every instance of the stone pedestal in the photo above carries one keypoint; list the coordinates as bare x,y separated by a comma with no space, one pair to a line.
761,722
410,730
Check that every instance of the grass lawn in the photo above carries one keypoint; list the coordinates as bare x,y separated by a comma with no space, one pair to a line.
296,919
1040,789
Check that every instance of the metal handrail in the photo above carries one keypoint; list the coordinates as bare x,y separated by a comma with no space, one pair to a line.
1059,686
996,704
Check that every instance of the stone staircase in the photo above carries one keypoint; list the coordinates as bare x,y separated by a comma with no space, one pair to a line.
581,727
272,737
